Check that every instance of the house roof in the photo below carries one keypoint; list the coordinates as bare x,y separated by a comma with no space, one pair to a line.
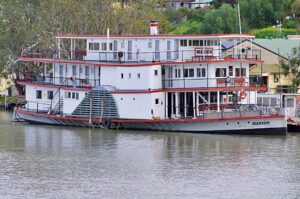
281,47
201,1
180,1
265,68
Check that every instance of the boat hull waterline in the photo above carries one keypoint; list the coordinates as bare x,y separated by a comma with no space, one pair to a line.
263,125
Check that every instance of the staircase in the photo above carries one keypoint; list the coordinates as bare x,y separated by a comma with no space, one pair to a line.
57,108
99,102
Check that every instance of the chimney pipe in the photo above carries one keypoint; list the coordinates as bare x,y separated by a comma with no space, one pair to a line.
153,27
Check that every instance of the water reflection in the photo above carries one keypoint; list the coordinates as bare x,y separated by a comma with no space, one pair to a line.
63,162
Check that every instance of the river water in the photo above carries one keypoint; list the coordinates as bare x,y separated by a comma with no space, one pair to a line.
64,162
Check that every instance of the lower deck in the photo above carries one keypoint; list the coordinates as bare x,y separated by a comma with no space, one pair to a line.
269,125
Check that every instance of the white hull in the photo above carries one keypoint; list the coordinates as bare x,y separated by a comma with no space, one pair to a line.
247,125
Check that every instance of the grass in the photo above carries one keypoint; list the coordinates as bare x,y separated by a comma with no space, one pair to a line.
9,99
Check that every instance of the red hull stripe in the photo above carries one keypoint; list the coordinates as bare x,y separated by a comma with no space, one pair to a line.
247,88
147,120
40,60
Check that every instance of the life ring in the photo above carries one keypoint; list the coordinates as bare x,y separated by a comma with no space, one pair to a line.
243,94
227,79
242,80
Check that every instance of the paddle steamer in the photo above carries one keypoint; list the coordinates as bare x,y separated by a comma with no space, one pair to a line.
184,83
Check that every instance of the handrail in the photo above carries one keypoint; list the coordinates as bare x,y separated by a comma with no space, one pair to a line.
141,56
57,91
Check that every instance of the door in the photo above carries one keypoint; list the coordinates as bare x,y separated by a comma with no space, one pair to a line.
61,72
176,49
168,50
115,49
157,53
87,74
170,79
129,50
289,106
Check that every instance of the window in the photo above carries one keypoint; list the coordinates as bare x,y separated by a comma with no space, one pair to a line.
230,71
74,70
123,44
259,101
38,94
103,47
163,72
238,72
196,43
139,75
185,73
93,46
150,44
191,72
122,75
179,73
201,72
183,42
155,72
72,95
276,77
129,75
50,95
273,101
156,101
201,42
220,72
289,102
87,71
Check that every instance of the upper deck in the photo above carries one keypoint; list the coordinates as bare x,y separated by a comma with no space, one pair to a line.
126,49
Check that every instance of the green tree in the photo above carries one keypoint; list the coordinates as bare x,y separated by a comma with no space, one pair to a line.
222,20
292,67
295,7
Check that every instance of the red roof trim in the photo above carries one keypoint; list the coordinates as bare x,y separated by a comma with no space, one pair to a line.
149,120
133,64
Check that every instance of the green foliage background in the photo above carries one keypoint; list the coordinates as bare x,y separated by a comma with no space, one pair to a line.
28,24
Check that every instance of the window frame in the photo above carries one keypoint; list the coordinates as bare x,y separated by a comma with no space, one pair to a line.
39,94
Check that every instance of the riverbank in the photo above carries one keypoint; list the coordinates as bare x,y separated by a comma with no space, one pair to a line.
12,102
